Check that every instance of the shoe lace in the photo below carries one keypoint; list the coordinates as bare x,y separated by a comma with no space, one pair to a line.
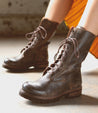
64,49
33,35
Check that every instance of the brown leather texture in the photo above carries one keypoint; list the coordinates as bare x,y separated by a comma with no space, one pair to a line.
35,53
63,77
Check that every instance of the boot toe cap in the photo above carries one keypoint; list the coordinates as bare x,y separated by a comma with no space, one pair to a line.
10,64
30,86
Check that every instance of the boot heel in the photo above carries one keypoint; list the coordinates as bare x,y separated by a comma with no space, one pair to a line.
74,94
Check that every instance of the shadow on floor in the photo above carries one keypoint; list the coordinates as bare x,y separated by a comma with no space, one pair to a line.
25,71
95,72
82,100
91,73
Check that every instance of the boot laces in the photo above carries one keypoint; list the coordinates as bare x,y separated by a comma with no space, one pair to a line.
33,35
64,49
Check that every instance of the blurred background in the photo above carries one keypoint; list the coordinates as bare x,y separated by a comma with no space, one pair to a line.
18,17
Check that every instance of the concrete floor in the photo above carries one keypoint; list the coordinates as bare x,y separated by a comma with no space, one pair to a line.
10,84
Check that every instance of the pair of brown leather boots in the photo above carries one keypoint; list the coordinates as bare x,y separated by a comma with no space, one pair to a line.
63,77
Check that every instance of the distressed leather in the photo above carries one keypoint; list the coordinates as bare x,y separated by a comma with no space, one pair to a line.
64,75
35,53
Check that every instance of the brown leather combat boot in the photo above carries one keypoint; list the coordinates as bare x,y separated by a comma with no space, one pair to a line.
35,53
63,77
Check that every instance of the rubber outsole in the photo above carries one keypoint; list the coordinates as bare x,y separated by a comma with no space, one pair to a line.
69,94
41,68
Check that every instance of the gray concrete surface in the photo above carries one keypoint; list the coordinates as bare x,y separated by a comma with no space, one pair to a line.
34,7
10,84
18,17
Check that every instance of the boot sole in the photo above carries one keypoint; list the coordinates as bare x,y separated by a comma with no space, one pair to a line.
41,68
68,94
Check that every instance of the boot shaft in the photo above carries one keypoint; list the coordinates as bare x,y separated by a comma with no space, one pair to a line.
50,27
84,40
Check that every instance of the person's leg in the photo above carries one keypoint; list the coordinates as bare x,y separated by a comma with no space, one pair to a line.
58,9
89,18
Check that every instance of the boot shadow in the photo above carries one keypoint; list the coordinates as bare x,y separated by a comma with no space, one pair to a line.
82,100
91,73
26,71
